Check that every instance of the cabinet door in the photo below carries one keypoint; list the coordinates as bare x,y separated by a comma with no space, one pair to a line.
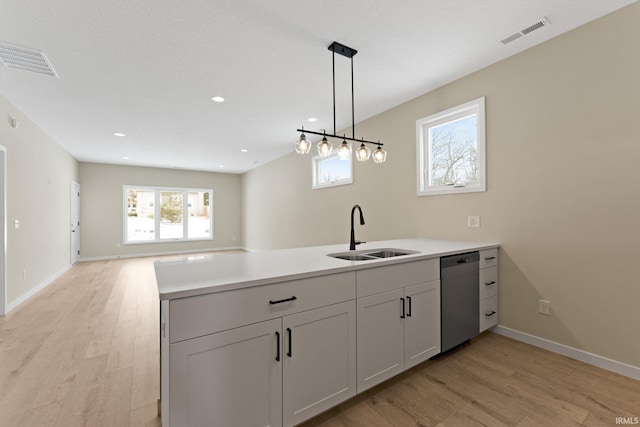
229,379
422,323
380,338
319,360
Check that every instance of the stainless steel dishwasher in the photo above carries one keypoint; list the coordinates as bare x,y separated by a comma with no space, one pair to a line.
460,299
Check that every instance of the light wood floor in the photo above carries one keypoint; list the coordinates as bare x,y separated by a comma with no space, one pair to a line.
84,352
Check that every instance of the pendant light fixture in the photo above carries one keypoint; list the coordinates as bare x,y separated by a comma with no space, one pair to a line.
363,153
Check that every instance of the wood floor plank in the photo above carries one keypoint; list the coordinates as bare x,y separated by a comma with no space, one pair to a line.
84,351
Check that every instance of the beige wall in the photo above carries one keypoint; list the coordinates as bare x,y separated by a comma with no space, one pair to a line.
39,175
101,207
563,143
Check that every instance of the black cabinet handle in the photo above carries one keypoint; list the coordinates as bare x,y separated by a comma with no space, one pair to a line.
493,282
402,315
277,346
289,333
489,258
409,311
489,314
293,298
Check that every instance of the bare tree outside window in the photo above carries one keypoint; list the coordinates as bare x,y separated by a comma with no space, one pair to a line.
454,152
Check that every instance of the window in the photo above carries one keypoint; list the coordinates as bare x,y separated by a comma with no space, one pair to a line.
160,214
331,171
451,150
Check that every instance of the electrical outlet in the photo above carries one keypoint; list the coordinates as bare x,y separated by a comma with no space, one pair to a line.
544,306
473,221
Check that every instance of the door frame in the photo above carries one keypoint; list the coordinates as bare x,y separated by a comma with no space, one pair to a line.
3,230
74,250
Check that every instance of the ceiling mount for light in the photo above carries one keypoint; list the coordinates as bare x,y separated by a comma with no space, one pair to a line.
363,153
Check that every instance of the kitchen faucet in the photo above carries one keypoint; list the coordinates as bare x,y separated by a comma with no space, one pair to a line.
353,242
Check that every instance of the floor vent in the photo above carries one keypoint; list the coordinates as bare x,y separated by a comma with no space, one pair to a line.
531,28
26,59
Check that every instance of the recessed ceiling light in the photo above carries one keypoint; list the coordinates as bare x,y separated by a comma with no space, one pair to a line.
312,119
119,134
217,99
220,166
126,157
244,150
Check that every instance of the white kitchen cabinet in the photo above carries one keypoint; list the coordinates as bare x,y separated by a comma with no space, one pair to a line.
398,328
276,372
319,362
488,289
422,323
230,378
380,338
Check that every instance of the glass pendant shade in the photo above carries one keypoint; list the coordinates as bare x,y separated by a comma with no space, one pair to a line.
363,153
344,150
303,145
324,147
379,155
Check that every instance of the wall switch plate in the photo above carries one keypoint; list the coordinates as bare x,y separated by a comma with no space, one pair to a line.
473,221
543,306
16,224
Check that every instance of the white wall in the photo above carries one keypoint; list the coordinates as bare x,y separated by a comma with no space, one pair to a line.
563,143
39,175
101,207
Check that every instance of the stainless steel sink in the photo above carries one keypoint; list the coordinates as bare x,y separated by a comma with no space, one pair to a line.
352,257
387,253
371,254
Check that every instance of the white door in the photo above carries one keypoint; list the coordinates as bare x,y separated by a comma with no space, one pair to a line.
319,362
3,230
380,324
75,222
422,323
231,378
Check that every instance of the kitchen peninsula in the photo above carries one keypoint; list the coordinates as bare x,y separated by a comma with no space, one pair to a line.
270,338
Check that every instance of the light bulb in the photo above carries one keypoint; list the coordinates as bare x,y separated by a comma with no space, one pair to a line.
379,155
344,150
363,153
303,145
324,147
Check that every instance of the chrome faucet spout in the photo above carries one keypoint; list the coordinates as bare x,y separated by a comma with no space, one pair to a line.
353,242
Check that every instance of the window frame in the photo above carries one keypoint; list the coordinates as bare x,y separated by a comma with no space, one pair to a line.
315,170
156,206
423,148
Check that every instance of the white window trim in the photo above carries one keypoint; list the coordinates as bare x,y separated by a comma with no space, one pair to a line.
314,177
156,203
477,106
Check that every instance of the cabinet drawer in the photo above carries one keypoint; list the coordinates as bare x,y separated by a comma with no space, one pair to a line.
389,277
205,314
488,313
488,282
488,258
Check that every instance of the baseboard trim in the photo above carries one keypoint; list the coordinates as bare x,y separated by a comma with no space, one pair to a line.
571,352
36,289
148,254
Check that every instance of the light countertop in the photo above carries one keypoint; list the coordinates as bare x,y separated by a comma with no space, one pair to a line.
196,275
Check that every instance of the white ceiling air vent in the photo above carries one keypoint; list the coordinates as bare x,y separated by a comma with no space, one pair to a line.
25,59
529,29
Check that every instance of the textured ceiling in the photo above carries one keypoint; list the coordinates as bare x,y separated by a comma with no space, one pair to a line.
148,68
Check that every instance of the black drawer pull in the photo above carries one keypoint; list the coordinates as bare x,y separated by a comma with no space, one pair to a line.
403,313
489,314
289,332
293,298
493,282
489,258
409,310
277,346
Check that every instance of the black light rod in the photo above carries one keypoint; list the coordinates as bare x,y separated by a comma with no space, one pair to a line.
338,136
